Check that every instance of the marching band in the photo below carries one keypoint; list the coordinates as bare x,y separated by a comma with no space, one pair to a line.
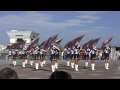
36,55
72,55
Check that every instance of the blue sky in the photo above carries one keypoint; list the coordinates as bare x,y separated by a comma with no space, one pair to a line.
69,24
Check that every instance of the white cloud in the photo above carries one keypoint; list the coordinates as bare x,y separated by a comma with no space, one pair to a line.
89,17
90,12
25,18
44,21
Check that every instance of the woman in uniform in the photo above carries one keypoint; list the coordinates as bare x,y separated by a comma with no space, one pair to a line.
52,58
41,57
72,57
93,58
35,52
23,58
87,58
56,57
14,55
68,56
31,57
76,51
106,57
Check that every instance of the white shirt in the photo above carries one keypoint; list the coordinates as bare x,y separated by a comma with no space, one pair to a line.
10,52
106,51
76,51
92,52
23,52
52,51
35,52
41,51
20,52
37,47
88,50
68,52
72,52
13,52
94,47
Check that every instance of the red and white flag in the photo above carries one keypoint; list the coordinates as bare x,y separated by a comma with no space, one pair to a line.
106,42
93,42
18,45
58,41
33,44
87,45
72,43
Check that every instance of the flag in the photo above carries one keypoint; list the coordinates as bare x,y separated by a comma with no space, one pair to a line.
106,42
18,45
53,38
78,39
33,44
58,42
49,42
68,45
42,44
72,43
87,45
93,42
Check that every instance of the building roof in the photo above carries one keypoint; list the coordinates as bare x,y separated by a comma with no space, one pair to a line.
13,33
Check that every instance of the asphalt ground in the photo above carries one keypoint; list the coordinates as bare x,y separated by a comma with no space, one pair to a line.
100,72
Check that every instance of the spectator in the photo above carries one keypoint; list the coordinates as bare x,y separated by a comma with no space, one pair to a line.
60,75
8,73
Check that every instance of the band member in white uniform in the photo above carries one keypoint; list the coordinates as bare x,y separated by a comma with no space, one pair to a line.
106,57
76,51
72,57
20,54
14,55
68,56
35,52
31,57
52,58
23,58
41,57
44,56
57,50
26,57
9,55
93,58
87,57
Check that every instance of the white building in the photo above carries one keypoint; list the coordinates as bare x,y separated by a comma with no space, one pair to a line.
16,35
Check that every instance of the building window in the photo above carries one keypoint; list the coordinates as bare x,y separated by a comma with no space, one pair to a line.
19,35
20,40
31,39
